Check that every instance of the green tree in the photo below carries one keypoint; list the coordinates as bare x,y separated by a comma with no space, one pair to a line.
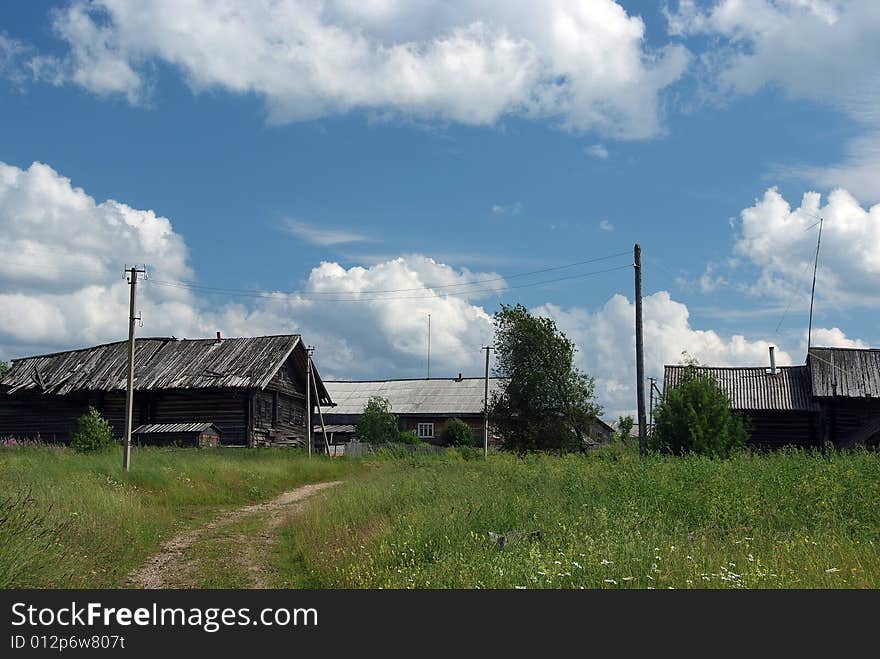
4,368
546,403
93,432
695,417
377,425
624,428
457,433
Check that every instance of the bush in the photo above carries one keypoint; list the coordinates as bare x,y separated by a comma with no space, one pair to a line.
696,418
409,437
624,429
377,425
93,432
457,433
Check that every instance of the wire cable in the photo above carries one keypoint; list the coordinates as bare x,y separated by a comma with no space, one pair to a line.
306,293
431,293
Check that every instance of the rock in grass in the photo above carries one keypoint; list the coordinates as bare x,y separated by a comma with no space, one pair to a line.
512,536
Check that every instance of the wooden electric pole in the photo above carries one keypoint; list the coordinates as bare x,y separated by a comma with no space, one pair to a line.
309,399
133,273
318,405
486,406
640,353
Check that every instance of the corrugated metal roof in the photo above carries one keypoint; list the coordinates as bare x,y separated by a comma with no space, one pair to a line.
428,397
753,388
150,428
845,372
160,363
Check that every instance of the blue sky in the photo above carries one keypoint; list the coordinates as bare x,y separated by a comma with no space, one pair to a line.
251,174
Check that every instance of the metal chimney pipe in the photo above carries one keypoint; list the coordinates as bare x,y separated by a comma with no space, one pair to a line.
218,337
772,361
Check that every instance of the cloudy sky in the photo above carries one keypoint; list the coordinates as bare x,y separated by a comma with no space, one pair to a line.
343,168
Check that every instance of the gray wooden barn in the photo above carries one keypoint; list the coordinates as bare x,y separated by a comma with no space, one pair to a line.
251,389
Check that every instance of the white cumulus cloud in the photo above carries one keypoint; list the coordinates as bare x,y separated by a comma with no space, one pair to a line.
824,51
586,64
778,239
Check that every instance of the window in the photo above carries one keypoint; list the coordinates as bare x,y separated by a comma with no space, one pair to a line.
426,431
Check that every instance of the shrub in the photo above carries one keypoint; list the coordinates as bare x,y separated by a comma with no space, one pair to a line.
409,437
93,432
470,452
377,425
624,429
457,433
696,418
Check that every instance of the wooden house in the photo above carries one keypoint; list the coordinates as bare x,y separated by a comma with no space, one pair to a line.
422,406
776,402
251,389
845,382
834,398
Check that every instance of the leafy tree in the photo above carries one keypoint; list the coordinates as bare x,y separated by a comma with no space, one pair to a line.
695,417
377,425
457,433
624,428
546,403
4,368
409,437
93,432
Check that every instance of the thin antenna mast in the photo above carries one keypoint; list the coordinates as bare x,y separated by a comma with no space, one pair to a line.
429,346
813,291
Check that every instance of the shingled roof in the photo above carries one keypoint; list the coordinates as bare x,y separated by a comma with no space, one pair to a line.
754,388
160,363
438,397
845,372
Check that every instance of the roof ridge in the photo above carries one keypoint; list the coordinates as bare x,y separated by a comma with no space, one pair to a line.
165,339
453,379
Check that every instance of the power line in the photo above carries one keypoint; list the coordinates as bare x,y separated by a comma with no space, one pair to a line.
280,295
305,293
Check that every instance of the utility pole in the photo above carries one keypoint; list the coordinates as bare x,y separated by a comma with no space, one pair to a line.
640,352
133,273
318,405
429,346
309,399
486,406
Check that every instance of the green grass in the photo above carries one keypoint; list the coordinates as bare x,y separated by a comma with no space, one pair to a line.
606,520
72,520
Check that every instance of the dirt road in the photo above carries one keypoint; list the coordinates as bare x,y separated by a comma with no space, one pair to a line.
172,567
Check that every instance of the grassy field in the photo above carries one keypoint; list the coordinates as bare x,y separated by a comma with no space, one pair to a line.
606,520
73,520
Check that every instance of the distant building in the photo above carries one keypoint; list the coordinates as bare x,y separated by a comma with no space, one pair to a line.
423,406
251,389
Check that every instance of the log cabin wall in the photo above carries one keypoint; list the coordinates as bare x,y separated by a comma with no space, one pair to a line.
851,422
774,430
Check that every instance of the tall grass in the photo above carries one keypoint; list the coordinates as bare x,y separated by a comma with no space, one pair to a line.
607,520
79,520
